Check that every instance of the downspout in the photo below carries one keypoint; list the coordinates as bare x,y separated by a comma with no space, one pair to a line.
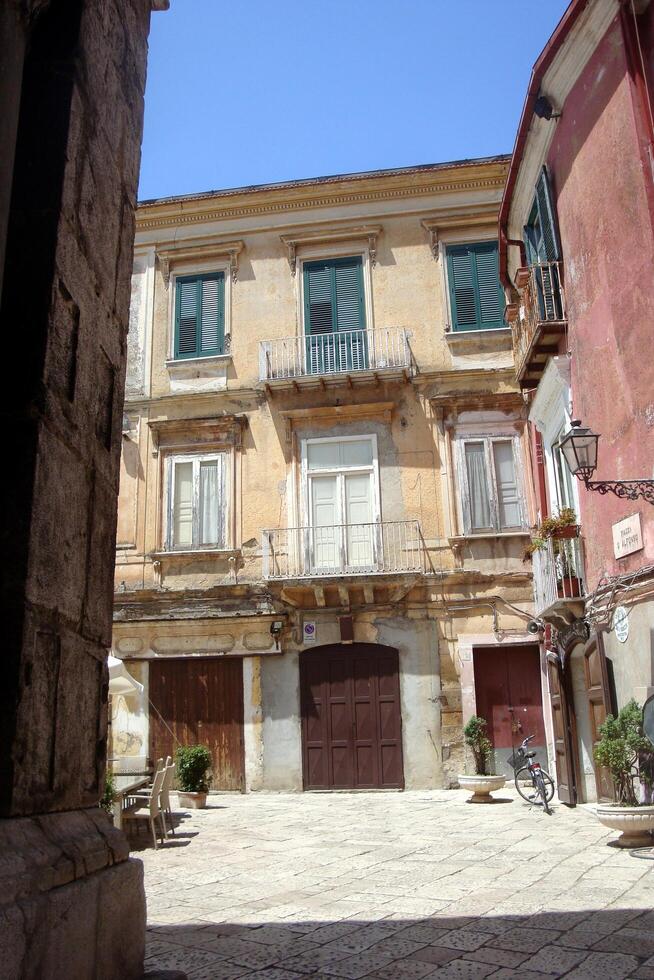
641,95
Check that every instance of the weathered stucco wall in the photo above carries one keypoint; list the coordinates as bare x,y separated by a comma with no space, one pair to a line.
607,238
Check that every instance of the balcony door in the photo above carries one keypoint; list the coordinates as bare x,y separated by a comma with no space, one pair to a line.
342,504
335,316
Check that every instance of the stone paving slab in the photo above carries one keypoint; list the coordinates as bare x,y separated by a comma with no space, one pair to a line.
398,886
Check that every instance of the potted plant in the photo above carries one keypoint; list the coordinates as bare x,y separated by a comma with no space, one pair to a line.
484,781
193,775
623,748
559,527
107,799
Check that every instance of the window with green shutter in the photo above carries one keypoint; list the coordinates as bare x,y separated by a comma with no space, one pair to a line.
476,296
541,234
200,315
335,316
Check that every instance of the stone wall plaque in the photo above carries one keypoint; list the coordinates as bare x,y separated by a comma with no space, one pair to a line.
627,536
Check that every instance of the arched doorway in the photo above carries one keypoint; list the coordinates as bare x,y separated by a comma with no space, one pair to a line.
351,718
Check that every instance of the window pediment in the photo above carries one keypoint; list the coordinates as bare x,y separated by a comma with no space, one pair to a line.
175,434
367,234
169,256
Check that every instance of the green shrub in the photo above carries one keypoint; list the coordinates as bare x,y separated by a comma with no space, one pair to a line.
622,740
109,795
193,765
478,741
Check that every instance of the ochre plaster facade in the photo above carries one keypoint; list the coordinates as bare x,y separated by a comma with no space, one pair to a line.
220,603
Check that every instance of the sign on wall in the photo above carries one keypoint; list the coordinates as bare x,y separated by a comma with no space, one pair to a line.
627,536
309,631
620,624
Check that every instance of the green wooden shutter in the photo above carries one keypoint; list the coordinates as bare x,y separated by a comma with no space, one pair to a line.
348,288
318,298
476,297
200,315
334,296
547,218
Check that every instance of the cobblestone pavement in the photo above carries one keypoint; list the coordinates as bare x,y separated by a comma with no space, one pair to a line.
396,886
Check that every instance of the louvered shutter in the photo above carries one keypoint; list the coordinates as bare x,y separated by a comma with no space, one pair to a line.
186,317
547,218
476,299
200,315
348,286
491,297
318,297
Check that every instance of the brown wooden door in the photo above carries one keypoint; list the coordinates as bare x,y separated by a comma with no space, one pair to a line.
351,720
508,695
599,706
199,701
563,746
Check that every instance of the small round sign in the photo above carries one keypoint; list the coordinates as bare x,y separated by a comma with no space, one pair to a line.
621,623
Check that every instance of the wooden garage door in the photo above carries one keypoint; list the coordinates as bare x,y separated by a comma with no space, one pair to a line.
200,702
351,721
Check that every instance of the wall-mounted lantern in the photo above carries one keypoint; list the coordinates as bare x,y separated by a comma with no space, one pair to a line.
579,448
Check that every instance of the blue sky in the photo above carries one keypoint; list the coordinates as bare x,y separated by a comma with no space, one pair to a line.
257,91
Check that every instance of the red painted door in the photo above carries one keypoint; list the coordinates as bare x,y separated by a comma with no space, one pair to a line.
351,721
508,696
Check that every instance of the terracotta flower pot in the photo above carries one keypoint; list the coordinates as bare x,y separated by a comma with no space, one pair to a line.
481,786
635,822
570,531
194,801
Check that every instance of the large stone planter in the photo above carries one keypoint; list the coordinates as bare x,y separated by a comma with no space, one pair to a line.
635,822
481,786
193,801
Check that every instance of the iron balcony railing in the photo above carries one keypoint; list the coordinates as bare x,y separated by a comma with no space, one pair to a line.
344,352
381,548
542,304
558,570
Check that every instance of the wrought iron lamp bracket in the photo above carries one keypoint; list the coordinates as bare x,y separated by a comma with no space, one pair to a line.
627,489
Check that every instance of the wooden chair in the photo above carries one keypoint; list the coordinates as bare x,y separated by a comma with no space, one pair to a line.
149,808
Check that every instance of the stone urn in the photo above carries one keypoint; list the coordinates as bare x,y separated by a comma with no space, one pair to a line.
193,801
481,786
635,822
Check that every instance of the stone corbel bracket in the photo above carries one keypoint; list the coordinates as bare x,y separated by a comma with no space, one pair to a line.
220,431
468,216
367,233
169,256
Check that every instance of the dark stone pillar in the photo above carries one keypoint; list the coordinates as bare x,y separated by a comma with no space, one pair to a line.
72,82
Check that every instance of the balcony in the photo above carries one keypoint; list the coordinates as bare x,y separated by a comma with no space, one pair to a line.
558,575
313,359
343,551
540,320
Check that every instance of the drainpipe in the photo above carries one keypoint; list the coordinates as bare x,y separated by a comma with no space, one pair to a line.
641,95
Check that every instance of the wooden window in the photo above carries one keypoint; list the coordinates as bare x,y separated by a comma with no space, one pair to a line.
341,490
200,315
541,234
476,296
197,503
490,492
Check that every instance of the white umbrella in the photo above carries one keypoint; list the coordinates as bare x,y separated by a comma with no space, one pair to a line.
120,679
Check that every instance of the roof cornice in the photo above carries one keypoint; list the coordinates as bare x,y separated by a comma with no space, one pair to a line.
486,175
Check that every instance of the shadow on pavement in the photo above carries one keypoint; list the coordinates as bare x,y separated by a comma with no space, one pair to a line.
612,944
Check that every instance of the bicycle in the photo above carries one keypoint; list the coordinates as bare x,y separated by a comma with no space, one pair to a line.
542,785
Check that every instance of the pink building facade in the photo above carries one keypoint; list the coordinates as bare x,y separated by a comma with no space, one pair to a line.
577,260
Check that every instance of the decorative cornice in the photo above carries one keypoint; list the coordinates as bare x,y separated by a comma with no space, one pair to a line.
209,249
177,433
356,233
182,217
464,216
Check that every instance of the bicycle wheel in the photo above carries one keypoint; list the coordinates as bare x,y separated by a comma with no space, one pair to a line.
549,785
528,793
539,783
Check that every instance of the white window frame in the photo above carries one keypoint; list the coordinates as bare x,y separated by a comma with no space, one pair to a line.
197,459
310,253
199,268
463,495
